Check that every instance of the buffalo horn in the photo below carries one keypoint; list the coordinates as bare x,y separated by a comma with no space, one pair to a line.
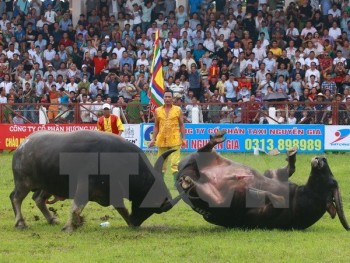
158,166
339,207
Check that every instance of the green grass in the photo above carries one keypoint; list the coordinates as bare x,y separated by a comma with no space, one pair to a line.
179,235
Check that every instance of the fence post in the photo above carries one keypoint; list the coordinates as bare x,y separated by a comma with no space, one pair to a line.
77,113
335,113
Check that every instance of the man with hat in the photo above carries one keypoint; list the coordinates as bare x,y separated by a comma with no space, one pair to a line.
109,122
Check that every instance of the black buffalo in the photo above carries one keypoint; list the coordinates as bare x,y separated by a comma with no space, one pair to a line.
231,194
46,162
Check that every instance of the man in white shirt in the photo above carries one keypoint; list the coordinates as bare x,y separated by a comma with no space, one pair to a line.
186,28
96,108
339,58
194,33
231,23
312,71
299,59
261,73
4,21
27,79
119,49
311,59
94,87
144,40
264,42
49,83
12,51
183,50
172,40
50,71
72,86
6,84
188,60
335,31
225,30
50,15
3,98
265,83
37,57
259,51
39,86
49,53
209,43
270,63
308,29
142,49
253,61
230,86
334,11
85,109
167,51
189,109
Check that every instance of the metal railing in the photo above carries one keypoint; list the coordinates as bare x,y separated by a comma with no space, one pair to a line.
247,112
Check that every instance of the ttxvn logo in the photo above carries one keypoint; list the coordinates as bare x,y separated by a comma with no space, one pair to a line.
341,135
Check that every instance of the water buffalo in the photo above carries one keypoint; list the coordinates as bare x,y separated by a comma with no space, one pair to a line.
85,166
231,194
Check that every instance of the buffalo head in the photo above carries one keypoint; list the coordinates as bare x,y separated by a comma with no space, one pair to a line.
323,182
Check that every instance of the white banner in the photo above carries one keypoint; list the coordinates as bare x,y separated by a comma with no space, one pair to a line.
132,133
337,137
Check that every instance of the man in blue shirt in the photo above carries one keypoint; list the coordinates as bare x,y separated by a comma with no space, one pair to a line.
126,60
65,22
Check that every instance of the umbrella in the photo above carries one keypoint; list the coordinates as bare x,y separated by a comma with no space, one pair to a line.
275,96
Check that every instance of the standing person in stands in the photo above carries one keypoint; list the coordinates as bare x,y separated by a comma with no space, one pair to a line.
169,131
109,122
100,64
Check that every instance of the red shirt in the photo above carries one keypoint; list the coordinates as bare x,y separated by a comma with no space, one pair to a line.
100,64
66,42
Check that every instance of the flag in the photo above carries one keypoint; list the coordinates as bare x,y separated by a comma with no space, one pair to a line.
157,80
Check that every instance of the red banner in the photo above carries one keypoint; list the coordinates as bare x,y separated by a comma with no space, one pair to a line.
11,136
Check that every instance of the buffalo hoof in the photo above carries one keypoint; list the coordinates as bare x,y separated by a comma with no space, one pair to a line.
68,228
53,221
21,225
218,137
292,151
186,182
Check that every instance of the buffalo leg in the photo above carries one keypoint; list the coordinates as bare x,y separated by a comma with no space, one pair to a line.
81,198
138,214
282,174
207,192
75,219
214,140
124,213
40,198
17,197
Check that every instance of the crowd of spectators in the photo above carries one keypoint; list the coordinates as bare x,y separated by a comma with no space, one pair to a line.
216,55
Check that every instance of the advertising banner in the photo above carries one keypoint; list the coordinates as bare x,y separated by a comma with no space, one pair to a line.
337,138
247,137
12,135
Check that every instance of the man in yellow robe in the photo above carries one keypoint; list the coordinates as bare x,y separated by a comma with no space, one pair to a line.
169,131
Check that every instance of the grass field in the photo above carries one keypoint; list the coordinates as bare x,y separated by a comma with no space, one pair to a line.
179,235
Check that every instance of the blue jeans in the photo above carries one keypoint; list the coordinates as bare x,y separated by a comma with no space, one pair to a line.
29,113
145,26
